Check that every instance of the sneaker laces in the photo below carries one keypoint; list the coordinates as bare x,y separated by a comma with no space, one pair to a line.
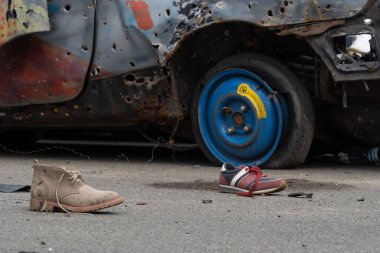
258,174
75,178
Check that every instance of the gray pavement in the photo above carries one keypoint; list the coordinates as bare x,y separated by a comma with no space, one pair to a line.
164,212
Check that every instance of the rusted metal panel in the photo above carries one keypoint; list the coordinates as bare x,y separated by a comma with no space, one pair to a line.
312,29
324,45
20,17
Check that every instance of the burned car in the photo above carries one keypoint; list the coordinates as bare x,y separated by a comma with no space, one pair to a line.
249,80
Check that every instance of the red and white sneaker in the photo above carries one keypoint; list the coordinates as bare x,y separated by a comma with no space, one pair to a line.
247,181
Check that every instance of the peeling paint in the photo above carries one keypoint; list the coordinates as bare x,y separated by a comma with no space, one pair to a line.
20,17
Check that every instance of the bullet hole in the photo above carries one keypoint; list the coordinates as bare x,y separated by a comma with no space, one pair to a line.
132,64
49,94
156,35
282,10
96,71
286,3
136,96
68,53
130,78
141,80
67,8
114,47
167,12
84,48
90,109
184,107
9,66
270,13
249,6
156,46
328,7
85,16
128,100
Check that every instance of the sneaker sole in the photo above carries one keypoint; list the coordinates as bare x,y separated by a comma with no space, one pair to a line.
49,206
231,189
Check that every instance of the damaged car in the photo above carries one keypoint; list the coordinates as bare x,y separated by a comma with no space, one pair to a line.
250,81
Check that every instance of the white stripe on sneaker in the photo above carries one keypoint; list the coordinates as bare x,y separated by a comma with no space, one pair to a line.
241,173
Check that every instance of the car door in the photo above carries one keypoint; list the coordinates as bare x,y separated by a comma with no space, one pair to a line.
38,65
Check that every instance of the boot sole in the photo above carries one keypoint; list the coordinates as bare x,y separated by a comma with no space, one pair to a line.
49,206
231,189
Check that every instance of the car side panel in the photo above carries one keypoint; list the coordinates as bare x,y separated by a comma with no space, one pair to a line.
49,67
135,34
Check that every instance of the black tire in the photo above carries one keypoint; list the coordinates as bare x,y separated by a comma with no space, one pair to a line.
294,148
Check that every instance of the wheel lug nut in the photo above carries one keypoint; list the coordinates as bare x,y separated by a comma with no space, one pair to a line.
231,130
243,108
247,129
227,110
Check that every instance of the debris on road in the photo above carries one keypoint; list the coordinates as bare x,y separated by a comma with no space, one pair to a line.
343,158
354,156
361,199
301,195
141,203
10,188
206,201
374,156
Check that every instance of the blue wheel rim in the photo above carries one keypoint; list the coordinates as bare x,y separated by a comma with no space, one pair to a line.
241,119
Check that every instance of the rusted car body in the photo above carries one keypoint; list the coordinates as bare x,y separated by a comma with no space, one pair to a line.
122,63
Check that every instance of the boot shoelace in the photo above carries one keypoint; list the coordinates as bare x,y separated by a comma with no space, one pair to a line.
258,174
75,178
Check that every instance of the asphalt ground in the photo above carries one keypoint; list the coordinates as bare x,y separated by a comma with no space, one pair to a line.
168,209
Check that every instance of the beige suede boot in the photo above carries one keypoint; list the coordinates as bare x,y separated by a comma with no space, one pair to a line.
64,188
